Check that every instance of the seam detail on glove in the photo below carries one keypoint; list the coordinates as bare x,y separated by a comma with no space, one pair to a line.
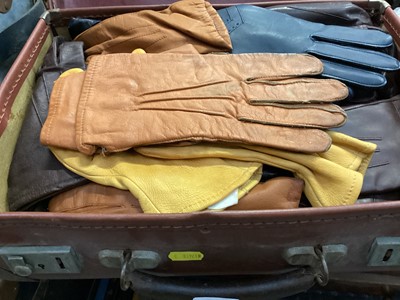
347,58
53,113
113,45
379,165
84,101
328,38
349,192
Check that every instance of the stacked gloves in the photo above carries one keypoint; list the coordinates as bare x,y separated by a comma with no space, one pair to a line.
182,130
268,100
331,178
185,22
276,193
247,102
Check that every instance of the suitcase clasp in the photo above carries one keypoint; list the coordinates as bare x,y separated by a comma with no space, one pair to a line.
31,260
317,258
129,261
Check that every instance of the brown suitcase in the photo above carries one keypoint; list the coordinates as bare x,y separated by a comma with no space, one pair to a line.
268,253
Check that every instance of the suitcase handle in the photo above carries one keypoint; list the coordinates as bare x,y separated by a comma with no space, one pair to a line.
237,287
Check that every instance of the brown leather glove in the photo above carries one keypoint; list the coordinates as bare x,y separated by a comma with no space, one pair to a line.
95,198
184,22
129,100
275,193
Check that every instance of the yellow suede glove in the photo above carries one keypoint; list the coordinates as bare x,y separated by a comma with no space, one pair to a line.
165,186
331,178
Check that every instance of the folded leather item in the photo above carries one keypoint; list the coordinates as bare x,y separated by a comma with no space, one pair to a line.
349,54
261,99
161,186
336,13
275,193
331,178
97,199
35,174
184,22
165,186
328,13
378,123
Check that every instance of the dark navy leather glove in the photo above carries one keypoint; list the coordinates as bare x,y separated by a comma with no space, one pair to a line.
352,55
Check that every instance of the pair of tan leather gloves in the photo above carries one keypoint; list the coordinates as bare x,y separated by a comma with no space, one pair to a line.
252,109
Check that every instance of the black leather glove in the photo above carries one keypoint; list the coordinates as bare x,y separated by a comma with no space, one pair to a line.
35,174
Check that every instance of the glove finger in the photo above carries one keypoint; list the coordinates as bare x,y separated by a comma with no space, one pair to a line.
321,116
291,115
353,75
354,37
355,56
299,90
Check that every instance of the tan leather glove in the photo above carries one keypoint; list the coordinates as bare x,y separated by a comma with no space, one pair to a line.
275,193
95,198
184,22
129,100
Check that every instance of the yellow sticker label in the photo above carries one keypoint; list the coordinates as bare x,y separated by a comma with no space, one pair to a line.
185,255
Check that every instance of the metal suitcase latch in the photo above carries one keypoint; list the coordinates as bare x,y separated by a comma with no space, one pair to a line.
317,258
129,261
385,252
31,260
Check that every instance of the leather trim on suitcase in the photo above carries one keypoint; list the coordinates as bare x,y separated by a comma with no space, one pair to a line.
19,71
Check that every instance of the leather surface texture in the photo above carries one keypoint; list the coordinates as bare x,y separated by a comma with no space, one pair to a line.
256,239
378,123
243,99
193,22
18,72
38,175
349,54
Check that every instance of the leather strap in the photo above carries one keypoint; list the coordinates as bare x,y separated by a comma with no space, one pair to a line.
17,74
67,4
392,23
243,287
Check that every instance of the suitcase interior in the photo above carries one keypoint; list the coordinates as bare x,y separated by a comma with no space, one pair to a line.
215,243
